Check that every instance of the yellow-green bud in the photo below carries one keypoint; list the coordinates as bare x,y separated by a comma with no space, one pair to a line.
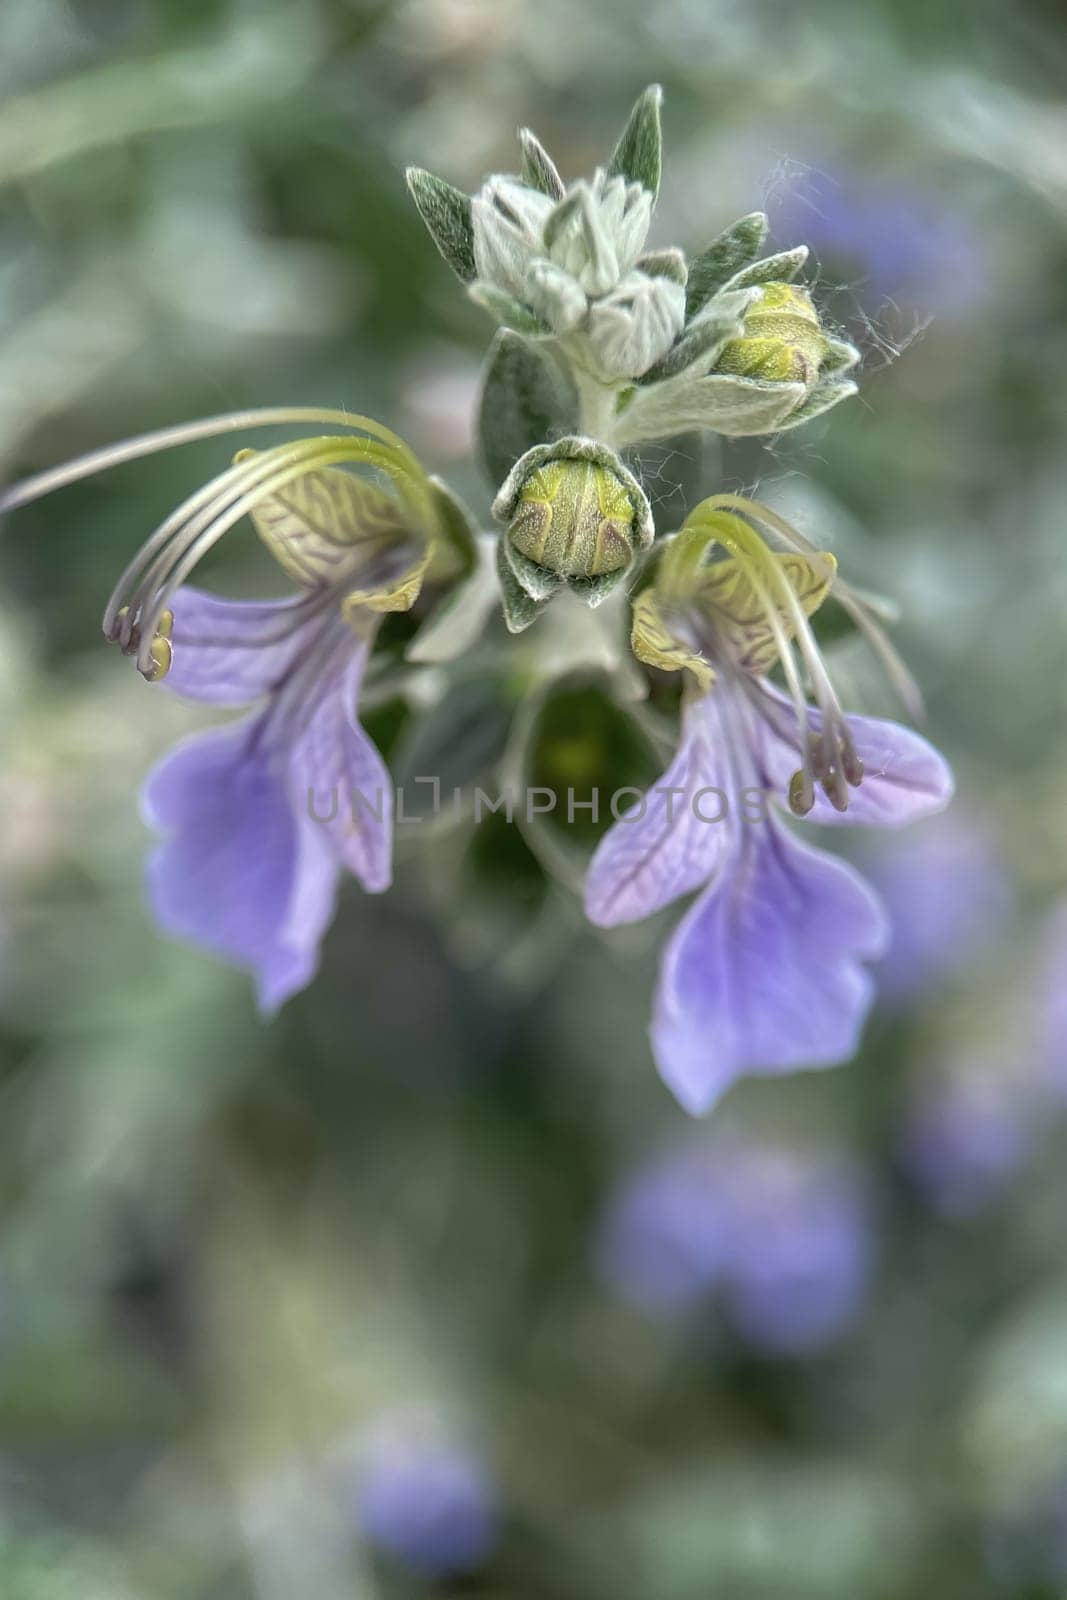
575,518
783,339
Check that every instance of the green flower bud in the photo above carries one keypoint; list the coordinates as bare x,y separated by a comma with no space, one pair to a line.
575,518
783,339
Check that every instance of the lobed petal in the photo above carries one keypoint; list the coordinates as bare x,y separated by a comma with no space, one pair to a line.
904,779
647,860
231,652
237,873
765,973
339,783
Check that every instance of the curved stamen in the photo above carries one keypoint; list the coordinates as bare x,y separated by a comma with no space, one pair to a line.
859,610
147,444
832,753
207,528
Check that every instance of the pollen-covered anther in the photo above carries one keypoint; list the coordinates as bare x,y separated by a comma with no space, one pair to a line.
801,792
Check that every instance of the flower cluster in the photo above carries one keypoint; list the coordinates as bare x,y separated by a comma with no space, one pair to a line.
604,347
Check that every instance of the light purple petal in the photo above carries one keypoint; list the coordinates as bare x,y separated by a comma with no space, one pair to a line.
237,874
764,973
905,778
340,785
231,652
682,836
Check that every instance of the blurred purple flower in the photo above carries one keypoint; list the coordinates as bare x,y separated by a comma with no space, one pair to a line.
764,974
1051,1005
784,1239
258,816
890,239
948,895
965,1137
425,1501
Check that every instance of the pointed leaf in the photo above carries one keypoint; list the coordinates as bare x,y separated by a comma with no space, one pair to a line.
447,214
781,268
638,156
526,401
664,264
519,609
727,254
505,309
535,580
821,398
538,168
734,406
702,342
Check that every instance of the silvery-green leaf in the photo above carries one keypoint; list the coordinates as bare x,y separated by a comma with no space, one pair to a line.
447,214
456,622
507,220
631,328
821,398
781,268
839,356
505,309
698,348
638,156
722,402
534,580
519,609
525,402
538,168
664,264
594,591
725,256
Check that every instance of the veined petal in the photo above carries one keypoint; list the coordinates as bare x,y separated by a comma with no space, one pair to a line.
904,777
339,783
231,652
687,829
236,873
764,974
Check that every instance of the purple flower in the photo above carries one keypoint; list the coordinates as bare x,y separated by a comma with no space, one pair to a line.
765,973
948,895
261,817
782,1238
966,1135
425,1501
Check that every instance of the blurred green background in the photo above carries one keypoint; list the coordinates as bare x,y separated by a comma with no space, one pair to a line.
230,1252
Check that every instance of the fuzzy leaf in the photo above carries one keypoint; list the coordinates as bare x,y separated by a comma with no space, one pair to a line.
700,345
519,609
821,398
534,580
726,255
447,214
734,406
506,310
781,268
638,156
538,168
664,264
525,402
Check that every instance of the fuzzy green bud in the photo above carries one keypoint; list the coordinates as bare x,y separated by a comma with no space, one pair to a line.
783,339
575,518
